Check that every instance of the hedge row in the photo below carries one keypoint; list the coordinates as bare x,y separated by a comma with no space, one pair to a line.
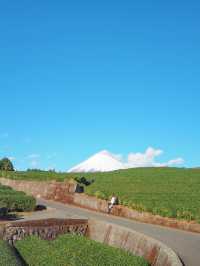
11,200
73,250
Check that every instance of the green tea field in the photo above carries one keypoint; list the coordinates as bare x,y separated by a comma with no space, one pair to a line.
169,192
73,250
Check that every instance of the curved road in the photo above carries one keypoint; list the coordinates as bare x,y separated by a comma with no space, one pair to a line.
185,244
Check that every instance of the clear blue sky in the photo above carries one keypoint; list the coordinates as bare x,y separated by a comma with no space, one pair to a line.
77,77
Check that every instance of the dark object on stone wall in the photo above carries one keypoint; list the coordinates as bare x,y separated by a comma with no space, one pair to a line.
79,189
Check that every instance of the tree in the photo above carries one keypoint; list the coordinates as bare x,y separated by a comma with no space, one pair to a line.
6,165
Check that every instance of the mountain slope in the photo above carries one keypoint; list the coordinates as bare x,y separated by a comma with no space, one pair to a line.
103,161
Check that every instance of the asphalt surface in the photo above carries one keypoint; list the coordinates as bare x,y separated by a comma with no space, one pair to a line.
185,244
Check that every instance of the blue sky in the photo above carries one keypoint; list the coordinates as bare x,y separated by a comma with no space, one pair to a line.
82,76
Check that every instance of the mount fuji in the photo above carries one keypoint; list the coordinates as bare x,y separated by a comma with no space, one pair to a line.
103,161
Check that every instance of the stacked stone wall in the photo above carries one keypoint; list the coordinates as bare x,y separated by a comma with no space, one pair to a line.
47,229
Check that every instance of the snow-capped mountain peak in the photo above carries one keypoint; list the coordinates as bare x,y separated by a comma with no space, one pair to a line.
103,161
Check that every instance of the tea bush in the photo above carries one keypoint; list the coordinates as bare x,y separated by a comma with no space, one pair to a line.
15,200
73,250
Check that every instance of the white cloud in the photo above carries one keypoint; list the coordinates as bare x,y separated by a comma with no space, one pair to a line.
143,159
148,159
175,161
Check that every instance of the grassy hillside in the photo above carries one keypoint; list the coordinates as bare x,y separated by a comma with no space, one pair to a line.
171,192
72,250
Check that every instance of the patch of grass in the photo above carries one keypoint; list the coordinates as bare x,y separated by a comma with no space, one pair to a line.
7,256
73,250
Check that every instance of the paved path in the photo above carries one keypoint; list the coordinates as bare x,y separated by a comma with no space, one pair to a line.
185,244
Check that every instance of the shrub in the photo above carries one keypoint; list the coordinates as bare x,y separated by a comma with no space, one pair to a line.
74,250
100,195
11,200
18,202
185,214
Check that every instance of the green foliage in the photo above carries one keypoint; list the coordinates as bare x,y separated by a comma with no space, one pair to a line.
18,202
7,256
37,175
169,192
6,165
73,250
12,200
100,195
82,180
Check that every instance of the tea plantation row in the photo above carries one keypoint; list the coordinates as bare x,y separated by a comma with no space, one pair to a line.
73,250
170,192
11,200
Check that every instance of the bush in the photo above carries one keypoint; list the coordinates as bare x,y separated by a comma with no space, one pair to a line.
18,202
74,250
12,200
83,180
100,195
185,214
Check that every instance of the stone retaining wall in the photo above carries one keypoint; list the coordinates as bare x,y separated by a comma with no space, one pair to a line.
155,252
93,203
47,229
64,192
42,189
